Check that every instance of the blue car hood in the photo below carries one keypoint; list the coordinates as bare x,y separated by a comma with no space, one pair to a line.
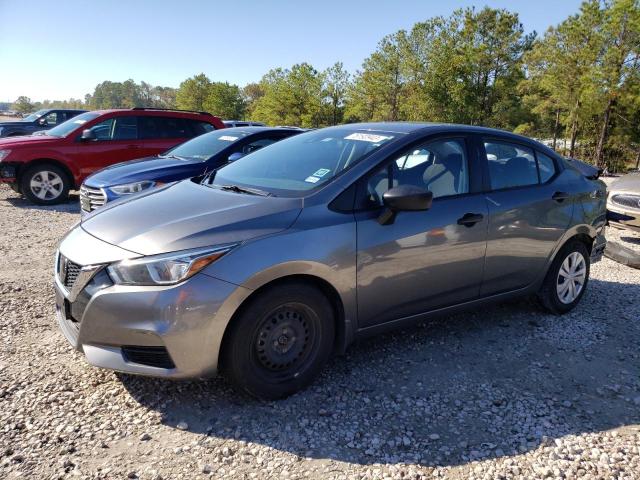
188,215
150,168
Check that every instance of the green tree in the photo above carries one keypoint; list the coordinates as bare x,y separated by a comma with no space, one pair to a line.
225,100
23,105
336,84
193,92
291,97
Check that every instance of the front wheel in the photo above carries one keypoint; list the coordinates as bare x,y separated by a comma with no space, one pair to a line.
279,342
567,279
45,184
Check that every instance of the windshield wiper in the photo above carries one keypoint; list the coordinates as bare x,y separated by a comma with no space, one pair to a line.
238,189
172,156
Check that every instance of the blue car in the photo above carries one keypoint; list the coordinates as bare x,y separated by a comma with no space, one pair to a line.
189,159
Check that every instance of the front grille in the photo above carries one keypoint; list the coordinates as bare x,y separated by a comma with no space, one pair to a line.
152,356
630,201
91,198
67,271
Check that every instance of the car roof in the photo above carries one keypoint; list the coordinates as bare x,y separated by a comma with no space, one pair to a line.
428,127
160,112
257,129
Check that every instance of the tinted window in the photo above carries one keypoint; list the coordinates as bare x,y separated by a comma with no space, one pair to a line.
258,144
303,162
126,128
546,167
119,128
510,165
198,128
163,127
439,166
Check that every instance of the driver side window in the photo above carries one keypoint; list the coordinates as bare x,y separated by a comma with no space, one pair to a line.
439,165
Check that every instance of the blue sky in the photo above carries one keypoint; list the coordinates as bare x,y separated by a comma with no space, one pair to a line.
59,49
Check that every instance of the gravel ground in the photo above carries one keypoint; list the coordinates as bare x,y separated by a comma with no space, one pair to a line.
506,392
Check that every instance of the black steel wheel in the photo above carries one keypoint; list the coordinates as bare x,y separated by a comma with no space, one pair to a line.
280,341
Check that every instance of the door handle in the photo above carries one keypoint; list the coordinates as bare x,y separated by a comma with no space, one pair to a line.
470,219
560,196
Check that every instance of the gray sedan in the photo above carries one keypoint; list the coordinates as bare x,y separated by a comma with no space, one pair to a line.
266,267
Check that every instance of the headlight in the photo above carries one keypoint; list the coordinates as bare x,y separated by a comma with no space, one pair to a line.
165,269
4,154
134,187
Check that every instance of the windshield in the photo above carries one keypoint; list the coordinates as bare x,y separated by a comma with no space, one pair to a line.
34,116
65,128
206,146
298,164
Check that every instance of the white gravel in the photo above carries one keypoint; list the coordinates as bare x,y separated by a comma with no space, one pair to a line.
506,392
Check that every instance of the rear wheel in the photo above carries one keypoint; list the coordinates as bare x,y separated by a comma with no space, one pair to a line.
45,184
280,341
567,279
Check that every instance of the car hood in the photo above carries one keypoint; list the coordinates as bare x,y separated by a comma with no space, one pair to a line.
628,183
27,140
187,215
149,168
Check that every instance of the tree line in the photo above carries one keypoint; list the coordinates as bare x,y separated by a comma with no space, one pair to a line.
577,85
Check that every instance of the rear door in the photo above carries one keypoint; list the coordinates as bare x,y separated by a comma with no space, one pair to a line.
158,133
529,210
428,259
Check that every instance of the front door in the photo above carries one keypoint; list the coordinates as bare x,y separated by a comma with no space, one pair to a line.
427,259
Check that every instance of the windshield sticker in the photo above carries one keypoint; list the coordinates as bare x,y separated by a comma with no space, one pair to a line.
228,138
321,172
311,179
367,137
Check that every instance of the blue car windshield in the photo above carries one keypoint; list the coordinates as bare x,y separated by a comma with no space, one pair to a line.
298,164
206,146
34,116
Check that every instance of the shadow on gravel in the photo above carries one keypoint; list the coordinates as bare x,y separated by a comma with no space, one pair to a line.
70,206
478,385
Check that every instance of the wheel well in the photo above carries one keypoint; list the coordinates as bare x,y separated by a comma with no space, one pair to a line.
582,237
41,161
325,287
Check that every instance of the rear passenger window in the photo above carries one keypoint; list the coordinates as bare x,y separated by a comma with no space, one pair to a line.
126,128
510,165
163,127
198,128
546,166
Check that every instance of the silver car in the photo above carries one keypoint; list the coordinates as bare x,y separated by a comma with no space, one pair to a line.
623,204
265,268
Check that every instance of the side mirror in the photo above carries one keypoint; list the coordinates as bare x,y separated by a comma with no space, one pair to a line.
236,156
88,135
404,198
42,121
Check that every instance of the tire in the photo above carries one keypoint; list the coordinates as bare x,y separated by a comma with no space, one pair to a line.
256,354
557,293
45,184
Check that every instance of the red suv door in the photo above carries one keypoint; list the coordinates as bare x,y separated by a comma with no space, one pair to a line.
159,133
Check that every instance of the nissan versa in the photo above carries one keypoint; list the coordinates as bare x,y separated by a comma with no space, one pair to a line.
267,266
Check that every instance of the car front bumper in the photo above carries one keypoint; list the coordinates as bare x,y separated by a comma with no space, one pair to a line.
170,331
623,218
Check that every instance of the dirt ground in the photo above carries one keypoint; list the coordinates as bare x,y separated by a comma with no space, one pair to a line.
505,392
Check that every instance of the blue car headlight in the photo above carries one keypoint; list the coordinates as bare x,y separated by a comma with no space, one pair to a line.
129,188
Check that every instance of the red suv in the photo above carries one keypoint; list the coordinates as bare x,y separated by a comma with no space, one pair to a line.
45,167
